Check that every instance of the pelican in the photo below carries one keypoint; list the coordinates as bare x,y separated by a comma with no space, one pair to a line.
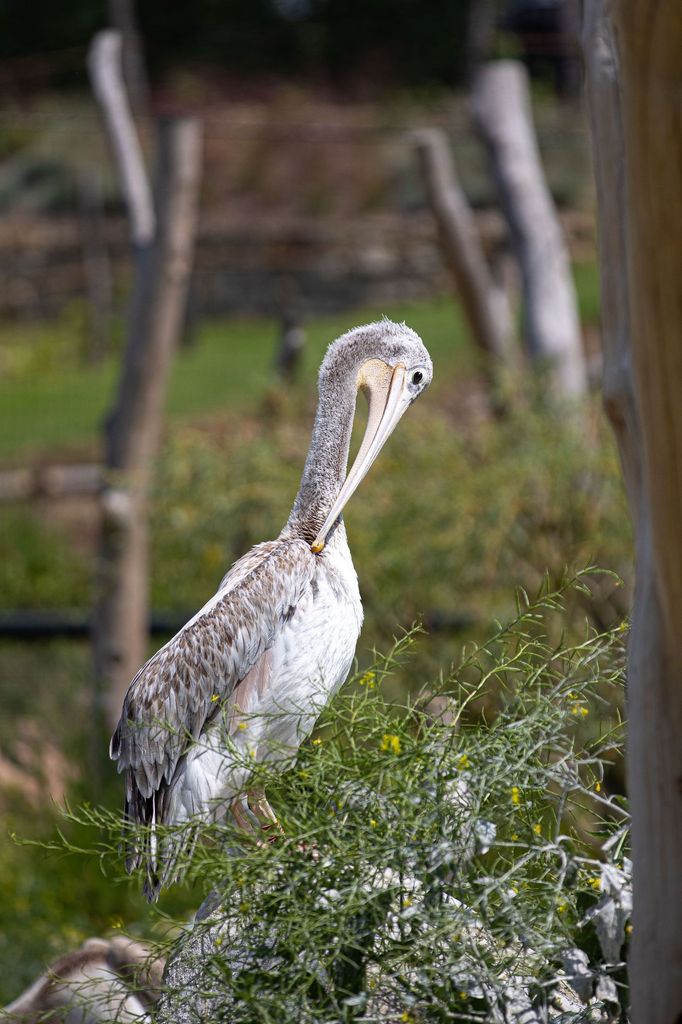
244,681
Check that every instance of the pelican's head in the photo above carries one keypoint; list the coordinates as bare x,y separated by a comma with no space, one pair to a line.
389,363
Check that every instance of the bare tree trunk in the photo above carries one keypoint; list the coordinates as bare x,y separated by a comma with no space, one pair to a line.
637,143
483,298
503,116
162,270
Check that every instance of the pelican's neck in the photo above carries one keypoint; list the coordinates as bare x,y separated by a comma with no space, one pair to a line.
327,459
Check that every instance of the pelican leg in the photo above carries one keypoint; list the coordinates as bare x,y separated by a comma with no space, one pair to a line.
240,813
260,807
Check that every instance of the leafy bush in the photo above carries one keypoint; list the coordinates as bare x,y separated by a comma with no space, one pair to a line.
434,866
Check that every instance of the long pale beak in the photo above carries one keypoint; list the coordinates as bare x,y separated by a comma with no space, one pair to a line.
388,399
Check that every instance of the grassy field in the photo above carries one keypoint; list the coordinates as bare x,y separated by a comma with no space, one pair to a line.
49,402
229,366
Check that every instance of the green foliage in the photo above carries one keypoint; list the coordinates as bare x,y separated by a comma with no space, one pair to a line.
431,862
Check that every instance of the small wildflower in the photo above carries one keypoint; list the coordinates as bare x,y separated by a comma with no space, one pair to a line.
406,1017
597,787
407,902
215,697
579,709
562,908
368,680
317,741
463,995
463,762
515,796
252,752
390,743
594,883
242,725
373,822
628,929
537,828
218,941
514,837
116,922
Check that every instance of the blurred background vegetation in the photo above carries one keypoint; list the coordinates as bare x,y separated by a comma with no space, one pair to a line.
310,200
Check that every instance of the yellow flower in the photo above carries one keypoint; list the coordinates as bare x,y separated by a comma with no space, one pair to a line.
407,902
579,709
390,743
594,883
215,697
252,752
463,762
464,995
628,929
515,795
116,922
368,680
537,828
373,822
597,787
242,725
316,742
562,908
514,837
406,1017
218,941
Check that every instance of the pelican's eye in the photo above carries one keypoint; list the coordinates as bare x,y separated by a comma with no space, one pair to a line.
417,377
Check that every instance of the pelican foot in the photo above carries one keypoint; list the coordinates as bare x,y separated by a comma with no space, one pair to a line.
261,809
243,815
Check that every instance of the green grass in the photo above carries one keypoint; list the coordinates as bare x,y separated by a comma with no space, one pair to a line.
49,403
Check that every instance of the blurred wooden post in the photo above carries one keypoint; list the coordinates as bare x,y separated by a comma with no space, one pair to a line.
124,20
502,114
163,243
291,345
633,99
292,334
96,265
484,300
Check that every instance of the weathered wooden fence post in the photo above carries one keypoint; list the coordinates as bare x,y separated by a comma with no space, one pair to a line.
502,113
484,300
633,99
162,235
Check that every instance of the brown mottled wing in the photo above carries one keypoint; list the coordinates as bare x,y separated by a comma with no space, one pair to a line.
169,701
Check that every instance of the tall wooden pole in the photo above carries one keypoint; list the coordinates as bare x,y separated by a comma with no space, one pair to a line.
163,224
502,114
483,299
634,74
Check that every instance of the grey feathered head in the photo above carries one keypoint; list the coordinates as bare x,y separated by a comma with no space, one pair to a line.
390,364
385,340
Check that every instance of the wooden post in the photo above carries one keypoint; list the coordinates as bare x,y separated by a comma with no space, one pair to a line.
502,114
484,300
96,266
633,99
163,242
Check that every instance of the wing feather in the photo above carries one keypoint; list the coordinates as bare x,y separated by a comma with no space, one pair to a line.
172,696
